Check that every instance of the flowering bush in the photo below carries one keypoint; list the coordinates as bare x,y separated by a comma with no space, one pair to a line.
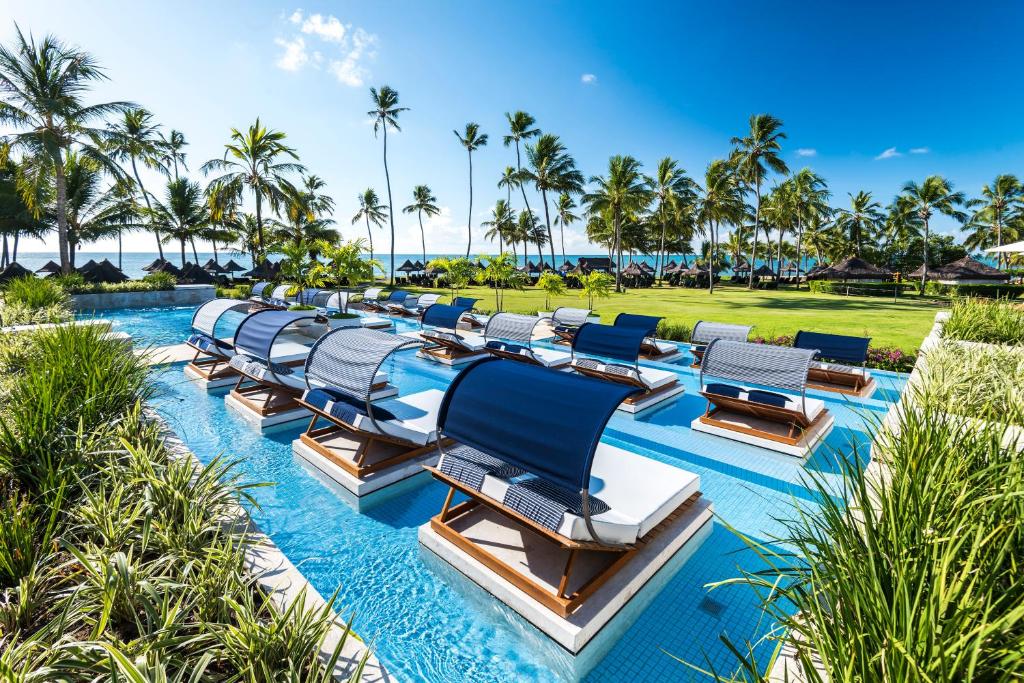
774,340
881,358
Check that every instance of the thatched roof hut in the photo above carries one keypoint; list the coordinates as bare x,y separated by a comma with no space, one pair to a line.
104,271
852,268
49,268
193,274
14,270
764,271
967,270
262,271
406,267
233,267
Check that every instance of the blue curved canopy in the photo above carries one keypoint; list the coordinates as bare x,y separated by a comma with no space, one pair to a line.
609,341
839,347
465,301
648,323
398,296
207,316
256,334
548,423
257,289
443,315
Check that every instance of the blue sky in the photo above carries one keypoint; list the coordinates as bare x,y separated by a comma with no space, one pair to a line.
872,94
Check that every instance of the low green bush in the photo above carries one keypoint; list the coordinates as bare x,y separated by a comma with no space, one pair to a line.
861,288
237,291
987,321
154,282
968,380
993,291
34,292
673,330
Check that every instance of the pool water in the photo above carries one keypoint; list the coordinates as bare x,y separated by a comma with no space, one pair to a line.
426,621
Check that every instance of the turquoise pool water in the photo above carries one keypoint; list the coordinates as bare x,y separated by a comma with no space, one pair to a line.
430,624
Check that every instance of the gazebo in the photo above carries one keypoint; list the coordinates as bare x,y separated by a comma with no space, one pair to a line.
852,268
963,271
764,271
406,267
669,268
601,263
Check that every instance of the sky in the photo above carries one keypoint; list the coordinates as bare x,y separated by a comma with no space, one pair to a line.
871,94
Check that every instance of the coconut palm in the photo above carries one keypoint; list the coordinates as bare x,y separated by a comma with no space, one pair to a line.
553,169
172,152
307,210
372,211
862,220
252,162
501,224
93,213
620,194
521,128
41,90
472,139
16,218
755,154
385,115
423,202
935,194
183,215
998,203
670,187
720,201
564,216
811,195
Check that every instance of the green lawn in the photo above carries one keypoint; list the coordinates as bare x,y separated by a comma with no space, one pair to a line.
903,324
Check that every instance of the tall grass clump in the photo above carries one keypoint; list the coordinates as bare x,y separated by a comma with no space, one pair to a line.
31,300
917,580
981,320
119,559
983,382
673,330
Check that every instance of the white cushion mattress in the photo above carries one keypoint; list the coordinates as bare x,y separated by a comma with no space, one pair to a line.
471,340
652,377
813,405
415,417
836,367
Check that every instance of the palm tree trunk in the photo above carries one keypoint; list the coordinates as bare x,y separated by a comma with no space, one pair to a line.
711,258
72,248
391,208
778,273
66,263
423,236
5,255
799,248
999,238
120,251
659,259
618,253
17,236
182,252
370,233
551,237
757,224
469,220
261,251
924,265
192,241
522,186
145,196
215,259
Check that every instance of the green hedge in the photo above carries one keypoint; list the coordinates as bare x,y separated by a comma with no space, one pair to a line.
993,291
861,288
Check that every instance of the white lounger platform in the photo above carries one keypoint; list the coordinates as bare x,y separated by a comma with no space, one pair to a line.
662,388
417,422
744,424
297,381
473,341
668,505
820,372
668,352
287,351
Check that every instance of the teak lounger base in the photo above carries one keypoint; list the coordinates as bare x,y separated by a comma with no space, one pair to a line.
570,594
263,400
448,354
211,368
622,379
850,384
795,422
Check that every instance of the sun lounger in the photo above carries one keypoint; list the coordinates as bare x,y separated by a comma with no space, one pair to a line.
212,353
470,317
705,332
612,354
839,364
444,341
510,335
343,373
405,307
565,321
529,460
652,348
425,301
749,409
371,299
256,295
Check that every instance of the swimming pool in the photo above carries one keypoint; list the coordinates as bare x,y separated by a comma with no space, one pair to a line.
429,623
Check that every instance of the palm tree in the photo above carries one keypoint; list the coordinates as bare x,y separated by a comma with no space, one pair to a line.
135,138
372,211
934,194
251,161
501,224
183,215
307,212
721,201
620,194
422,203
520,126
810,193
92,212
171,148
759,148
998,202
42,85
552,168
16,218
671,187
862,220
472,140
564,216
538,234
385,114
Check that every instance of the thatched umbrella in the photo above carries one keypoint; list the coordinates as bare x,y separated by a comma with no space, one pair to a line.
104,271
853,268
49,268
87,266
764,271
742,268
566,266
155,265
263,271
14,270
167,267
419,265
233,267
406,267
646,267
965,269
193,274
670,268
633,270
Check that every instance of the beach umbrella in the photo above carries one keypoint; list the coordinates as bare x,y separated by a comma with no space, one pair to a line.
670,268
419,265
155,265
215,268
644,266
104,271
195,275
87,266
14,270
406,267
764,271
232,267
567,266
263,271
49,268
632,270
167,267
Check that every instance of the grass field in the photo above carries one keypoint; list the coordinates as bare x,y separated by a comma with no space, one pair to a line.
902,324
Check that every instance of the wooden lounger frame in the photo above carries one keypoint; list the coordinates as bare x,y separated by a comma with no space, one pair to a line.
508,355
649,351
631,381
850,383
795,419
208,369
560,602
279,398
364,444
444,349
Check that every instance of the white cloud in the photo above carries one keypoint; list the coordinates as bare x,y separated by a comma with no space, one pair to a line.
806,152
294,56
919,150
588,79
344,50
889,154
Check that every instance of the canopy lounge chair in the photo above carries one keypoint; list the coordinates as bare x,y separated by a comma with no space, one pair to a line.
510,335
470,317
405,307
343,373
425,301
652,348
781,422
565,512
444,342
256,295
839,364
336,302
594,345
212,353
566,321
308,297
380,305
705,332
266,389
371,299
276,300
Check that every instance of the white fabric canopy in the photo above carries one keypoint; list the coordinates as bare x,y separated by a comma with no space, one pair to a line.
1015,248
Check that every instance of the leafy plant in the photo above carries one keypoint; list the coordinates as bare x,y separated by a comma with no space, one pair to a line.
344,264
458,272
674,331
553,284
502,273
34,292
595,285
980,320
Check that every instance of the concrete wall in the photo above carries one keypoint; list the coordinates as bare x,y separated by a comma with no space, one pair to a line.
182,295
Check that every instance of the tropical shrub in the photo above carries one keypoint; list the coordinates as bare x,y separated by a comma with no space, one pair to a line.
673,330
594,285
890,358
969,380
553,284
994,291
861,288
979,320
34,292
238,291
154,282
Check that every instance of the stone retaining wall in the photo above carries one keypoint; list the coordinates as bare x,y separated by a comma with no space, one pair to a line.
182,295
